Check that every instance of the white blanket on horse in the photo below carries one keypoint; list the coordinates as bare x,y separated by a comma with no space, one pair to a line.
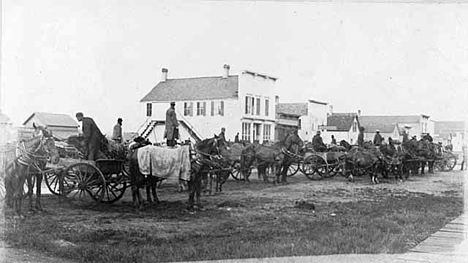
165,162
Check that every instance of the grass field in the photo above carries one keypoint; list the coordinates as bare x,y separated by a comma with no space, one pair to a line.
260,222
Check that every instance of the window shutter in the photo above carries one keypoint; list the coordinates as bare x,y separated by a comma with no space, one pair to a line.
212,108
222,109
204,108
191,108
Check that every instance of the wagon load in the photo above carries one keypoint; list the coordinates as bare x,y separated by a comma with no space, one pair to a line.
165,162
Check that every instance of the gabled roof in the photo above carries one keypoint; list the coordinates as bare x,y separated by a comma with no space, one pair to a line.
54,119
292,109
342,121
386,124
203,88
441,127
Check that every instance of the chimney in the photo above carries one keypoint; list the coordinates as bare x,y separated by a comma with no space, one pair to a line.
276,99
164,74
226,71
359,113
330,110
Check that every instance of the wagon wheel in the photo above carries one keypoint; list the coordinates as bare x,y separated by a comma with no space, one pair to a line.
116,185
321,167
292,170
82,183
235,171
333,170
309,167
450,161
52,180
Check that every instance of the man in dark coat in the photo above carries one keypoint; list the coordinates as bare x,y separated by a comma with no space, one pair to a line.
377,138
333,140
317,143
92,136
360,138
172,126
117,131
405,136
222,136
236,139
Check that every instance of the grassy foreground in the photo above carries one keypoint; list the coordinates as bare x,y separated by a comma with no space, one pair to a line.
385,223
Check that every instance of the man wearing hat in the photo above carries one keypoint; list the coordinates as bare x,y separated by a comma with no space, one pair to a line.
172,126
117,131
317,143
92,136
377,138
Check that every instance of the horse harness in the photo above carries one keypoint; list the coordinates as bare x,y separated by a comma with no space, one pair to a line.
31,158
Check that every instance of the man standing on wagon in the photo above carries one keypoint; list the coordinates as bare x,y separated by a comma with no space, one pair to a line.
92,136
117,131
172,126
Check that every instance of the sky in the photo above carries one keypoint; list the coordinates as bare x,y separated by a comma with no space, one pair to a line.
102,56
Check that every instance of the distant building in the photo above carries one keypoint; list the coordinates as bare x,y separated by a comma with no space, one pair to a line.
241,103
61,125
343,126
308,118
451,132
393,126
7,132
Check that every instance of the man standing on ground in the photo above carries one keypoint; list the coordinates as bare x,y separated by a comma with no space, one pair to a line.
377,138
333,140
172,126
92,136
236,138
117,132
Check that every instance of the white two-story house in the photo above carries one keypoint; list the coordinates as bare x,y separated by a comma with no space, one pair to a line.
241,103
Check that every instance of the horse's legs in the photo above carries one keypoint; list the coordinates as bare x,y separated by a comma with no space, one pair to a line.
154,183
38,191
148,189
29,182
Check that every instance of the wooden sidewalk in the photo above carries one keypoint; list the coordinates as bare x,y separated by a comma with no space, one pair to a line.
450,244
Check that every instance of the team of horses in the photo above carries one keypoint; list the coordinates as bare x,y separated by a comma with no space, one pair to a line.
213,159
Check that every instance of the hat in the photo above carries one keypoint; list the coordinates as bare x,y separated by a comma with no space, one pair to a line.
377,131
79,114
172,103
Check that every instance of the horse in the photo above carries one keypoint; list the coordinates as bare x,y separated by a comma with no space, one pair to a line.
422,151
198,168
364,158
33,156
279,157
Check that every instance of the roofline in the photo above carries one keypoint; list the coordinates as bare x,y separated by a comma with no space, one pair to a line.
259,74
30,117
318,102
169,101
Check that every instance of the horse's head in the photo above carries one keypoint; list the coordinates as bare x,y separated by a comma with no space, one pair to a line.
293,142
209,146
46,143
345,144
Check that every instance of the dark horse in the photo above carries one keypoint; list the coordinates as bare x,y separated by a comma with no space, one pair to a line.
279,156
31,161
367,159
422,152
199,168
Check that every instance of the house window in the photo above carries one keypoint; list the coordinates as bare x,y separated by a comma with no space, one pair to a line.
249,105
188,108
354,127
246,131
201,108
299,124
149,109
258,107
217,108
267,132
267,107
